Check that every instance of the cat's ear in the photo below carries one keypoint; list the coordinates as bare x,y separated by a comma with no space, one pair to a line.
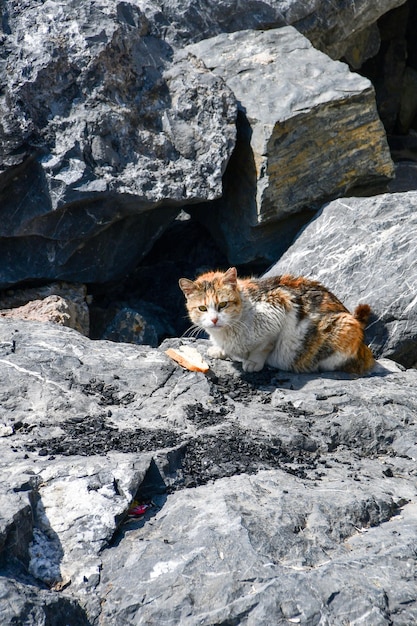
230,277
187,286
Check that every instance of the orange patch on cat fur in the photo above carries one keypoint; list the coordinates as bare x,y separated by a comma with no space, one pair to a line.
364,360
351,339
294,282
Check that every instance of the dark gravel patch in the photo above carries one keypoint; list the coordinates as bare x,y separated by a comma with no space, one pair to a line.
108,394
231,452
244,388
202,417
87,436
227,451
256,386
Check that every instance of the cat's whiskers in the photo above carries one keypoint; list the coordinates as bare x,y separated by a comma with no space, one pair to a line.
193,331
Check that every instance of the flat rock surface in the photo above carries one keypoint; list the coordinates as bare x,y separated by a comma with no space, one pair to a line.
364,248
271,496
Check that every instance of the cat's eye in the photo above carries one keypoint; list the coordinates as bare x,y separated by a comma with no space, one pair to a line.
222,305
202,307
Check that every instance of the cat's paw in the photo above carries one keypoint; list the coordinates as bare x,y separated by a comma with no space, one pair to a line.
252,366
216,353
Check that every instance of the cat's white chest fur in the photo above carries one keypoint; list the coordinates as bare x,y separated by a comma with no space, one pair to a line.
251,339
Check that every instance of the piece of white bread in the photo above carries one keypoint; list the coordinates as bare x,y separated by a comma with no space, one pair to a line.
188,357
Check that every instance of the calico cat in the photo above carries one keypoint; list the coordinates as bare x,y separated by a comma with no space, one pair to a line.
291,323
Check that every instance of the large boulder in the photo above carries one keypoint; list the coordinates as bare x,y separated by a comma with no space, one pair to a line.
363,249
308,131
59,303
337,28
99,126
272,497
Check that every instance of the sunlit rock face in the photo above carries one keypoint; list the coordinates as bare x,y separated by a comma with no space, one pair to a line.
60,303
340,29
257,485
308,131
363,249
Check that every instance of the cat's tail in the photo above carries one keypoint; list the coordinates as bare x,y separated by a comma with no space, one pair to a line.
362,313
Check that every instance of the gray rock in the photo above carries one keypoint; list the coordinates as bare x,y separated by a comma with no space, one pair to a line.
144,323
232,552
100,125
363,249
360,46
301,136
301,498
329,26
129,326
405,177
25,604
60,303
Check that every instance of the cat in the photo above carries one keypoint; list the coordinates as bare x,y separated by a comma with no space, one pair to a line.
290,323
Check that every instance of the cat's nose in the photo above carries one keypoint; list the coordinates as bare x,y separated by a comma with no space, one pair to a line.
214,320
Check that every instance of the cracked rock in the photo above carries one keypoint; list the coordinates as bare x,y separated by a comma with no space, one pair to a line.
268,496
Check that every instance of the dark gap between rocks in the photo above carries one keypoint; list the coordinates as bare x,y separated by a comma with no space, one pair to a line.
151,290
152,492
